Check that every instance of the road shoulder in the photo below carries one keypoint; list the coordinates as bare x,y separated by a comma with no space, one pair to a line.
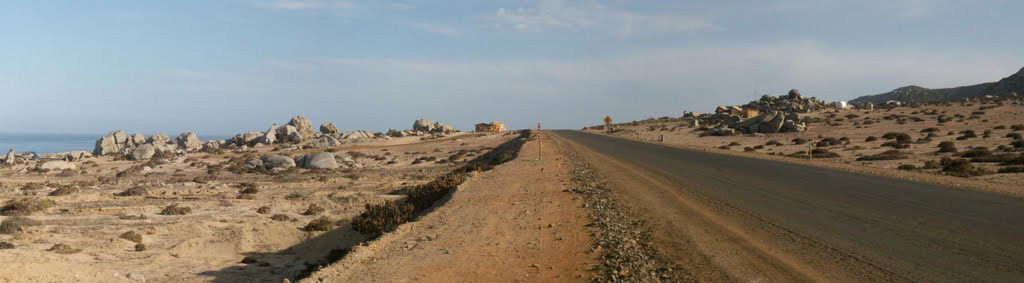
516,222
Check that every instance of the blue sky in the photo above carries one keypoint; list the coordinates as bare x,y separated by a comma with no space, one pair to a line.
232,66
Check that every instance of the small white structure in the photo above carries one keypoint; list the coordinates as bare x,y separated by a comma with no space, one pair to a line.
840,105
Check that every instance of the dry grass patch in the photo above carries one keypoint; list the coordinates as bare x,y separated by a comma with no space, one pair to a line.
26,206
64,249
176,209
132,236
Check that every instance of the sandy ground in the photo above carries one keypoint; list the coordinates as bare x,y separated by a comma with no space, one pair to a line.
851,125
515,223
224,226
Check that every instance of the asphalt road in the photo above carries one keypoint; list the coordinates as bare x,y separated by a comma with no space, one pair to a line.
917,231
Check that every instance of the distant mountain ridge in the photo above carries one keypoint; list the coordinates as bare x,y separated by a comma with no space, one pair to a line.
1014,84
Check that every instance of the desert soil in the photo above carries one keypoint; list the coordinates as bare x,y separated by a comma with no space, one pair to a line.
224,227
518,222
993,117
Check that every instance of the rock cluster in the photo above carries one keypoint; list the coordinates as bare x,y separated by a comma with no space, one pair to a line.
772,122
792,102
138,147
423,127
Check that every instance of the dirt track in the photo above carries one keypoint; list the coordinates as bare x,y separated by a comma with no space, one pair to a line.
753,220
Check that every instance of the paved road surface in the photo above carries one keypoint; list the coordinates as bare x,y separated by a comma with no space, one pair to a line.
907,231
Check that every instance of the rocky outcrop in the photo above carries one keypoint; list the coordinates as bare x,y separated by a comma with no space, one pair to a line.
189,141
277,162
143,152
10,159
422,125
325,141
321,160
772,122
792,102
303,127
329,129
111,143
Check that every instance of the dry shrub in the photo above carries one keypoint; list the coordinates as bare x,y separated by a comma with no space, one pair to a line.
320,224
947,146
280,217
773,143
871,139
132,236
907,167
63,191
961,168
176,209
899,137
382,218
64,249
140,247
887,155
828,142
17,224
1015,136
6,246
976,152
816,153
27,206
133,191
314,209
799,141
263,210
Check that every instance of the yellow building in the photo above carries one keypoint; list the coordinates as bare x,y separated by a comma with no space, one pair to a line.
493,127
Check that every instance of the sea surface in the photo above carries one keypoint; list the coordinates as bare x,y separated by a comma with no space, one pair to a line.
50,143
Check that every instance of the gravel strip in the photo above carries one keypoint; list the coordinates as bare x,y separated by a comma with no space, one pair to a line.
623,243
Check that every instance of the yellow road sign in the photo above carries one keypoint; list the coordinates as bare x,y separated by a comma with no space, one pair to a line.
607,119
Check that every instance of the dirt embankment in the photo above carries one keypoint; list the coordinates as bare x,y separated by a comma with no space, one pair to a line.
516,222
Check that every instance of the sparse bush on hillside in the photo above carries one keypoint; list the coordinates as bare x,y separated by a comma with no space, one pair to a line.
947,146
1015,136
976,152
26,206
886,155
176,209
799,141
961,168
871,139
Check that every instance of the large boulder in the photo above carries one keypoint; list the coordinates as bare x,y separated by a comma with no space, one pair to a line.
288,134
10,157
795,94
249,139
159,139
143,152
422,125
135,140
304,128
325,141
273,162
111,143
321,160
57,165
329,129
774,125
270,137
189,141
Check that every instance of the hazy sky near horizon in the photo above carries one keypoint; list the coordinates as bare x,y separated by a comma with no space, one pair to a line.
232,66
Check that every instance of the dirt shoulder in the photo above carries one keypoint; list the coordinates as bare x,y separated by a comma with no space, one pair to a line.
517,222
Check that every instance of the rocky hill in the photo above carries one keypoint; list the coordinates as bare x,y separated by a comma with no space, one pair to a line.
1014,84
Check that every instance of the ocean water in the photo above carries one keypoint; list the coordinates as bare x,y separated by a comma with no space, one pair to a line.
47,143
50,143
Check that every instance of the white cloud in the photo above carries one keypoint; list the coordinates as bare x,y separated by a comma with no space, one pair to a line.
566,15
